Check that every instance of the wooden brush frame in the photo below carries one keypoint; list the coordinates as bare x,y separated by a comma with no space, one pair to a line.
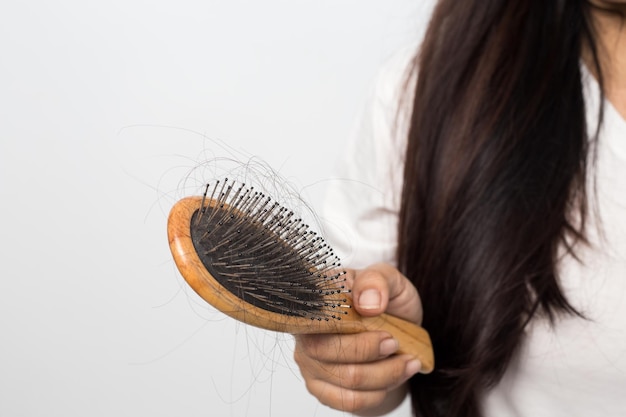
413,339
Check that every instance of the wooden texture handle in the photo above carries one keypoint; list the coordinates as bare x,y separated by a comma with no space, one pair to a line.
413,339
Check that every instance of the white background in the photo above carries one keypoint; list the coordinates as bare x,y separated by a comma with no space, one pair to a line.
105,110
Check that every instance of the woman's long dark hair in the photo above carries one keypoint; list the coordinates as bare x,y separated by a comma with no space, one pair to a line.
494,183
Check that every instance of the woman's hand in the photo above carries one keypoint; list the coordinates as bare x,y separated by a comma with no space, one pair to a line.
359,373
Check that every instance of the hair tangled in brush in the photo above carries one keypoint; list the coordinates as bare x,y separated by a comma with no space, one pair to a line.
265,254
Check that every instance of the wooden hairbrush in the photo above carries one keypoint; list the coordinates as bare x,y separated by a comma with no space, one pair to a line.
250,258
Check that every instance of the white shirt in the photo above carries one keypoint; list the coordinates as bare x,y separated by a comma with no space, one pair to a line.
577,368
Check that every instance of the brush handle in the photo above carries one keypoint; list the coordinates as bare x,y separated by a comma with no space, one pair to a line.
412,339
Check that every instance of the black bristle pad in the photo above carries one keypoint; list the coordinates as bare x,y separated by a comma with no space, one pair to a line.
260,252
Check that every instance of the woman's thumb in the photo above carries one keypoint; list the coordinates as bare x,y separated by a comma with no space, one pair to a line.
381,288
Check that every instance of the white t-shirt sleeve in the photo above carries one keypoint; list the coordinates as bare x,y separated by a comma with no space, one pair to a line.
363,198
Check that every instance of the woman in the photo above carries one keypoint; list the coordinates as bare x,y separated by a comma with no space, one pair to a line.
498,215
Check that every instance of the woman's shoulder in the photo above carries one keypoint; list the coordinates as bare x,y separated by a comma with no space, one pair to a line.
397,75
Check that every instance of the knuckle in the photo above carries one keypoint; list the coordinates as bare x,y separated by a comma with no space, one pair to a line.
358,401
329,396
342,398
307,345
298,357
370,276
397,372
352,401
353,377
310,386
366,348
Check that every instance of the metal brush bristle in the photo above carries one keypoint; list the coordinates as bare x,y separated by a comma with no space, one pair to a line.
262,253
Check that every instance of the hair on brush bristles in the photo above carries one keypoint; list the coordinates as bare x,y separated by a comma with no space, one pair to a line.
256,261
261,252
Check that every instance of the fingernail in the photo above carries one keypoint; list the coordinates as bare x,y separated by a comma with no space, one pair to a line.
388,347
369,300
412,367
